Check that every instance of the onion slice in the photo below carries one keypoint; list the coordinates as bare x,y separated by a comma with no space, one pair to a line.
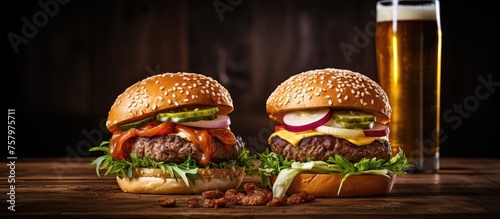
303,120
378,130
331,127
222,121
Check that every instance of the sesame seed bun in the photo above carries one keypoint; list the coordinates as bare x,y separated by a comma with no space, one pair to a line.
167,91
155,181
335,88
327,185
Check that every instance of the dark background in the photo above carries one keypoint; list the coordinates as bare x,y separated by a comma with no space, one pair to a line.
73,62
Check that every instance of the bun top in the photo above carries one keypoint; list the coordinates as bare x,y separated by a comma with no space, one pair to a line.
335,88
167,91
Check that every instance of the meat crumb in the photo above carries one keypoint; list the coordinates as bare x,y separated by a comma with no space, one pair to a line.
275,201
167,202
301,197
252,196
193,202
214,203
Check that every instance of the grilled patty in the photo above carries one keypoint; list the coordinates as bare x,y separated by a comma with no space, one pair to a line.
322,147
176,149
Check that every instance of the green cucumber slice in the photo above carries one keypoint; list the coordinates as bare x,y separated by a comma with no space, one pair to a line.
353,116
185,115
189,113
138,124
359,125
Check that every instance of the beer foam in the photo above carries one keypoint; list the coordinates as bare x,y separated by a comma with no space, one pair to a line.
407,12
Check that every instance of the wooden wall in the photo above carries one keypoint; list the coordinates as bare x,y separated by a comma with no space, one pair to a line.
69,73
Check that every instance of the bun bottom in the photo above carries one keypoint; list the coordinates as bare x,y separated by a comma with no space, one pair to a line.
327,185
155,181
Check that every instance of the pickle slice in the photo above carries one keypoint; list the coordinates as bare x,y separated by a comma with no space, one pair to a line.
138,124
197,112
358,125
353,116
185,115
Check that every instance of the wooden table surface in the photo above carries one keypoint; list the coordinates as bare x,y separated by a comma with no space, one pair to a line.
70,188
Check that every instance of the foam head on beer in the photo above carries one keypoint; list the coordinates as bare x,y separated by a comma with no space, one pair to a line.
406,12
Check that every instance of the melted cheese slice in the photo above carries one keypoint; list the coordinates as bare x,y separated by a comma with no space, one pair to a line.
295,137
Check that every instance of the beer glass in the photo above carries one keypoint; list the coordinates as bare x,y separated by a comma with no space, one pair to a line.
408,50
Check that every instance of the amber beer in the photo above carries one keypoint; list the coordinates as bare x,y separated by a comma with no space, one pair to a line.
408,47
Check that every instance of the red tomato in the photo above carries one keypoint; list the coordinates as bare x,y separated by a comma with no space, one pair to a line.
278,128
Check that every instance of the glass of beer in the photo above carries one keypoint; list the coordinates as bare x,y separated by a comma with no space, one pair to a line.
408,49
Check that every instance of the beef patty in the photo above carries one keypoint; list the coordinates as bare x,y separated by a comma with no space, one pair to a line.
324,146
175,149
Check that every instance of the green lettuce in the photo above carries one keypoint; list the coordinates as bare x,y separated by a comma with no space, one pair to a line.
275,164
187,171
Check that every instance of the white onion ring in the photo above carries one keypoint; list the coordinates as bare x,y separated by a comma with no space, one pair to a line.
298,121
222,121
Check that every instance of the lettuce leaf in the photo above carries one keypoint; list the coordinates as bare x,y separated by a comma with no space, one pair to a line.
187,171
275,164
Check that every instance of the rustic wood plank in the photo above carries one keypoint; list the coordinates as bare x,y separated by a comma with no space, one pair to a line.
56,188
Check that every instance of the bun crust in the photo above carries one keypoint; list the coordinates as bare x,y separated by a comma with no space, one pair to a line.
167,91
327,185
155,181
336,88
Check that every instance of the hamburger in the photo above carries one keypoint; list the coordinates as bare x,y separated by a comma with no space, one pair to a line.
331,137
171,135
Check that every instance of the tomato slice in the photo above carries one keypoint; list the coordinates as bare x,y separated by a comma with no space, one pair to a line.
119,138
278,128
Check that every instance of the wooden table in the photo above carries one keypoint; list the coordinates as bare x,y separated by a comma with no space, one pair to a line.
70,188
